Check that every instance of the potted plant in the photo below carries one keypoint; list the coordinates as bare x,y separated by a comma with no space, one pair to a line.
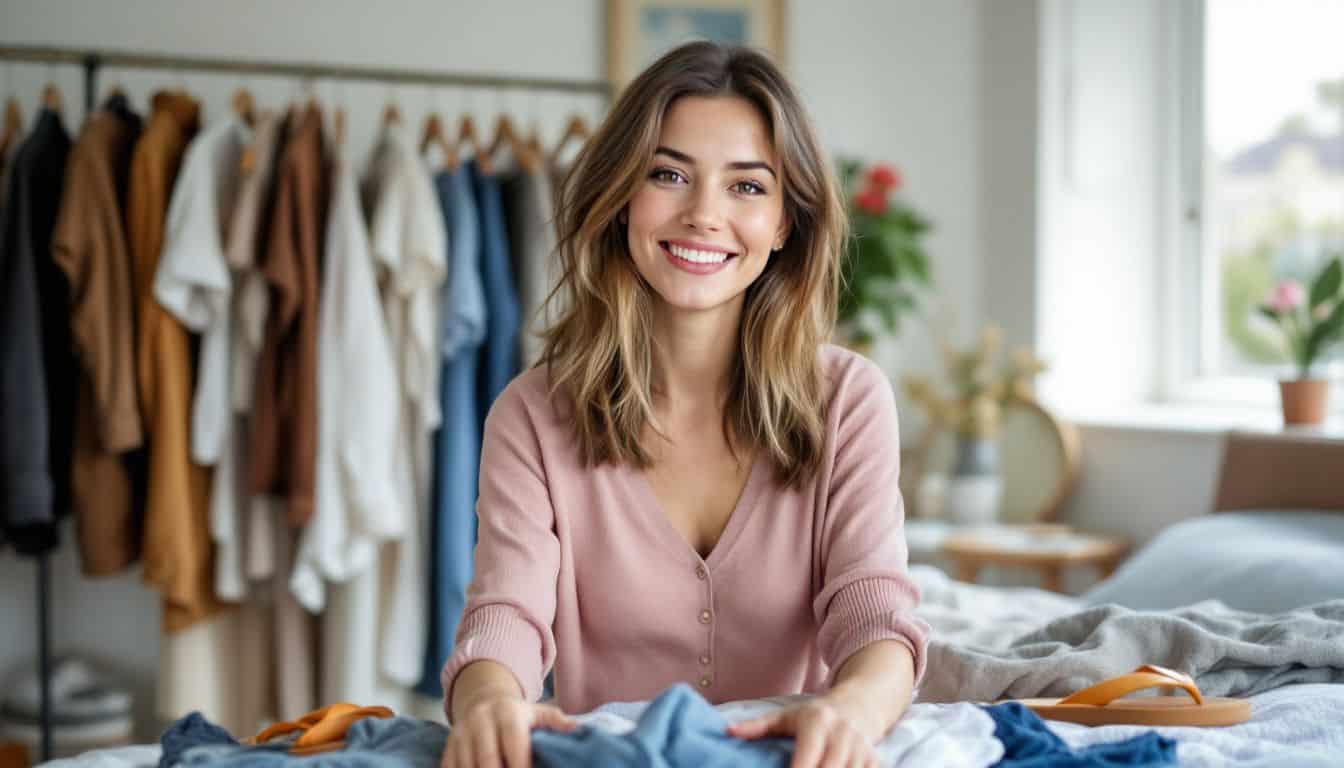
1309,323
981,387
884,258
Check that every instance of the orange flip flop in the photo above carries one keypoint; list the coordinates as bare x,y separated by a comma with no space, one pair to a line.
1103,703
322,730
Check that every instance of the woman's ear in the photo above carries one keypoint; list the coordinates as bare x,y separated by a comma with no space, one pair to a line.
781,237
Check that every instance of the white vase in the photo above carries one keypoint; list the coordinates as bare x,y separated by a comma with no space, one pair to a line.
973,499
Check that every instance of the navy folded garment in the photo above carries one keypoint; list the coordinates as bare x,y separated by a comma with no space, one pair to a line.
188,732
1028,743
678,729
396,742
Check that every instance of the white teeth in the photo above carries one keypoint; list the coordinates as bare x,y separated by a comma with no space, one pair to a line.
699,257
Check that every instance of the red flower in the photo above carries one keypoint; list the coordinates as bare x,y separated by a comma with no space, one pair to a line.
871,200
884,177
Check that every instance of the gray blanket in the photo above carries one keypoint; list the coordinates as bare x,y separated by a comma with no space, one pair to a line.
1229,653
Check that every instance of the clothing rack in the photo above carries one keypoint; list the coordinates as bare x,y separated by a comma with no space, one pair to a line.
93,60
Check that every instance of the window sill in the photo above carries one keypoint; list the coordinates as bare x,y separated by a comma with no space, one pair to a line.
1196,419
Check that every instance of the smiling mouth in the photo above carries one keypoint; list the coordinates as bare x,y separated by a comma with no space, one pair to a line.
696,256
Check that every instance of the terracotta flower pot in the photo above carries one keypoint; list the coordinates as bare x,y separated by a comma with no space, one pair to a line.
1304,400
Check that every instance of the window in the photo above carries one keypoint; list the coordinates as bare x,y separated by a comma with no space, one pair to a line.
1265,192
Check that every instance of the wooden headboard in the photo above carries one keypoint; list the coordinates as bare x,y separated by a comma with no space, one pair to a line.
1281,470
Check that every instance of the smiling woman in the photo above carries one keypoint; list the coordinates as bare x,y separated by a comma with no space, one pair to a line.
692,486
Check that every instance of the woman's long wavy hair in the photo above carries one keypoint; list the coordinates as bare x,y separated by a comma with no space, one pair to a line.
599,350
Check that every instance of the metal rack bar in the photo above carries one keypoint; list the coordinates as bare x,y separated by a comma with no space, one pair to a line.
130,59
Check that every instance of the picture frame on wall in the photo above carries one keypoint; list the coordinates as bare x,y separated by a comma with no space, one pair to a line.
639,31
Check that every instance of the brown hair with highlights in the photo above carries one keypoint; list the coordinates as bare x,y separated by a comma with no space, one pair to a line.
599,349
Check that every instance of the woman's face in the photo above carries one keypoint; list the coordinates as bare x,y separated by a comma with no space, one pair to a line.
710,210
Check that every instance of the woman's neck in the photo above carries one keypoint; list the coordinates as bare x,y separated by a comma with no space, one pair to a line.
693,354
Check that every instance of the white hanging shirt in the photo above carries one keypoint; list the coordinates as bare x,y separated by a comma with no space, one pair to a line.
409,241
358,410
193,281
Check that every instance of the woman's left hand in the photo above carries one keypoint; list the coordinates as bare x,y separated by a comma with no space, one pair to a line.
826,734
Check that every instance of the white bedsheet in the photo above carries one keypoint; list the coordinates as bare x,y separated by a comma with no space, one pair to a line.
1296,726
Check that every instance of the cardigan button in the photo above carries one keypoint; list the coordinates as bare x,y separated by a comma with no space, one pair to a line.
704,617
704,682
700,572
704,660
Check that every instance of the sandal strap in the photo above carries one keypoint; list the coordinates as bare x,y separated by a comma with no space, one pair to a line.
332,728
1147,676
304,723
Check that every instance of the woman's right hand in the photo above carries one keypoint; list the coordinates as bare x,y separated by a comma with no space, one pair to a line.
496,732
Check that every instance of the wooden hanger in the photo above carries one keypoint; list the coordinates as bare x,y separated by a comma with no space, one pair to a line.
534,141
392,114
51,97
433,136
466,134
506,136
245,107
12,128
577,128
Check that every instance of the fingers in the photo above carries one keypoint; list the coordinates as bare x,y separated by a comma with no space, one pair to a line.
759,727
485,750
515,743
553,719
448,761
461,748
808,746
839,749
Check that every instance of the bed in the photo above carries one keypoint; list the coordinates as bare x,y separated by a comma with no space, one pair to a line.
1249,599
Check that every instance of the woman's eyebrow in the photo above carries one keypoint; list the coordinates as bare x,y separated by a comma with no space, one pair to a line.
743,165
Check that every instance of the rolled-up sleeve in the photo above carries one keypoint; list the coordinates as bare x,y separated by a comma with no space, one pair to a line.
866,592
511,600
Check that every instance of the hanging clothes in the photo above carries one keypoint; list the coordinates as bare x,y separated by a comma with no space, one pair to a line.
284,415
529,211
275,634
193,283
457,443
37,368
91,248
244,525
499,354
285,409
357,411
176,560
382,612
230,322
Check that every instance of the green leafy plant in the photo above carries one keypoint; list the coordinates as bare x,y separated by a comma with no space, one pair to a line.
1310,323
885,258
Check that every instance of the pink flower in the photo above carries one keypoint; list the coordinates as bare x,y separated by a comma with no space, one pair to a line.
1287,297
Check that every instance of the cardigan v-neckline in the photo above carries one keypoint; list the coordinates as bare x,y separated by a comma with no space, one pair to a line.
737,519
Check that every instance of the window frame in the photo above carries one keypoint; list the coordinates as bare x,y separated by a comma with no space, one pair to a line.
1189,356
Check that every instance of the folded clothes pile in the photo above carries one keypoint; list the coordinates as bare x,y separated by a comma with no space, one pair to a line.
88,710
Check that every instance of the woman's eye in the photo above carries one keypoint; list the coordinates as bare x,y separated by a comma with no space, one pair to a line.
666,174
749,188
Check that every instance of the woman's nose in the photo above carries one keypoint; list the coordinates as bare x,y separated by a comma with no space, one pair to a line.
703,211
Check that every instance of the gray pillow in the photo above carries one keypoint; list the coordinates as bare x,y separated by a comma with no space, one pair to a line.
1256,560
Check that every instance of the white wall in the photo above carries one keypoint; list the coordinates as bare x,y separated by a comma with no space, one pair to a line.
892,81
